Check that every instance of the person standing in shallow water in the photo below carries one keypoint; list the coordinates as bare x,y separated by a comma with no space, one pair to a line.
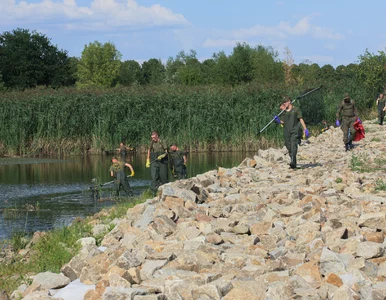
117,170
123,150
178,161
157,161
349,114
381,105
293,124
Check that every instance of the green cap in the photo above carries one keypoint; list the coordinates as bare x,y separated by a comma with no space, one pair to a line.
284,100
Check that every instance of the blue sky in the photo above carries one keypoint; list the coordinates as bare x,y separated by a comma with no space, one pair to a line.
332,32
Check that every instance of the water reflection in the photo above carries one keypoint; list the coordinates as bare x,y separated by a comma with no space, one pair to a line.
60,188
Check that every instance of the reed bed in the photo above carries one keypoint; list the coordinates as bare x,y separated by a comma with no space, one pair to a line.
206,118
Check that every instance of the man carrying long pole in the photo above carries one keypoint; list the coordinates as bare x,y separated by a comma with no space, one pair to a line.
294,127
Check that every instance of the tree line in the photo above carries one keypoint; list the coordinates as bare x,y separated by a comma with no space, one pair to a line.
28,59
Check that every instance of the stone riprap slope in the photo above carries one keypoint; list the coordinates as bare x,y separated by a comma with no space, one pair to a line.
256,231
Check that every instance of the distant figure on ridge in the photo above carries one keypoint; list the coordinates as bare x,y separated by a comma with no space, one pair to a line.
381,105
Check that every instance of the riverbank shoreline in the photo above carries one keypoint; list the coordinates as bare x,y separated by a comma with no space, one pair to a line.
250,232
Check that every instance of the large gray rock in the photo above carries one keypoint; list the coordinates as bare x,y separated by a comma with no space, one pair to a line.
146,218
330,262
50,280
150,266
373,220
370,250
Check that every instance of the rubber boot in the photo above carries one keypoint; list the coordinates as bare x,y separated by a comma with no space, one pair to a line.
346,146
351,146
293,163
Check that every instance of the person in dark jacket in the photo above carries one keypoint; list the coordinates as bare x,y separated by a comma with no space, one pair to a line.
117,170
178,161
349,113
381,105
157,161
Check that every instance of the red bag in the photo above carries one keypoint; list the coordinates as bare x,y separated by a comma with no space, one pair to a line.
360,131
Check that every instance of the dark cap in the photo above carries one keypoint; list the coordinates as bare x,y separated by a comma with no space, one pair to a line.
346,96
284,100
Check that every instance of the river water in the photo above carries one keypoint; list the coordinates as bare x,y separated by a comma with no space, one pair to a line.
39,194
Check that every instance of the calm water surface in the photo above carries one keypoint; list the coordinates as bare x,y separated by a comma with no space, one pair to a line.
60,188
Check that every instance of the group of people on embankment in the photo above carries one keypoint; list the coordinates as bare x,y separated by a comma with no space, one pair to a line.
347,118
160,156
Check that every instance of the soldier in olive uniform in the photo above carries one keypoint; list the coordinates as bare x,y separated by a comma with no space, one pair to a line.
123,150
349,114
381,101
293,128
117,170
157,161
178,160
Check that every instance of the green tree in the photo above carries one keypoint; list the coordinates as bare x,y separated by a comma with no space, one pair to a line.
208,67
266,66
153,72
73,66
28,59
190,72
99,65
307,72
223,69
372,70
2,86
327,73
185,68
246,64
129,73
173,65
241,64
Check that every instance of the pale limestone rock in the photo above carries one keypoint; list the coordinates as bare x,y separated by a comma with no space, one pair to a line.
375,220
370,250
49,280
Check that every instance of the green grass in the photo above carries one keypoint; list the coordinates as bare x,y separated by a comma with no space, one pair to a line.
380,185
375,139
57,247
339,180
362,163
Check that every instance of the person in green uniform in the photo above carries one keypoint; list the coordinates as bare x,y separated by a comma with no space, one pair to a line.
381,104
178,161
294,127
157,161
349,114
123,150
117,170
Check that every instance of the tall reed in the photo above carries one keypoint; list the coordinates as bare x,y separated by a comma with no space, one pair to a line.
217,118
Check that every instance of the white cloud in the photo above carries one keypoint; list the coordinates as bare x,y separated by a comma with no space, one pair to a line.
100,15
281,31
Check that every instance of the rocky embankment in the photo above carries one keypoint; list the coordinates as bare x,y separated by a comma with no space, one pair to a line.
256,231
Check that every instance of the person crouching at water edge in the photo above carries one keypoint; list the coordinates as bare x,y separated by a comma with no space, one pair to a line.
293,124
